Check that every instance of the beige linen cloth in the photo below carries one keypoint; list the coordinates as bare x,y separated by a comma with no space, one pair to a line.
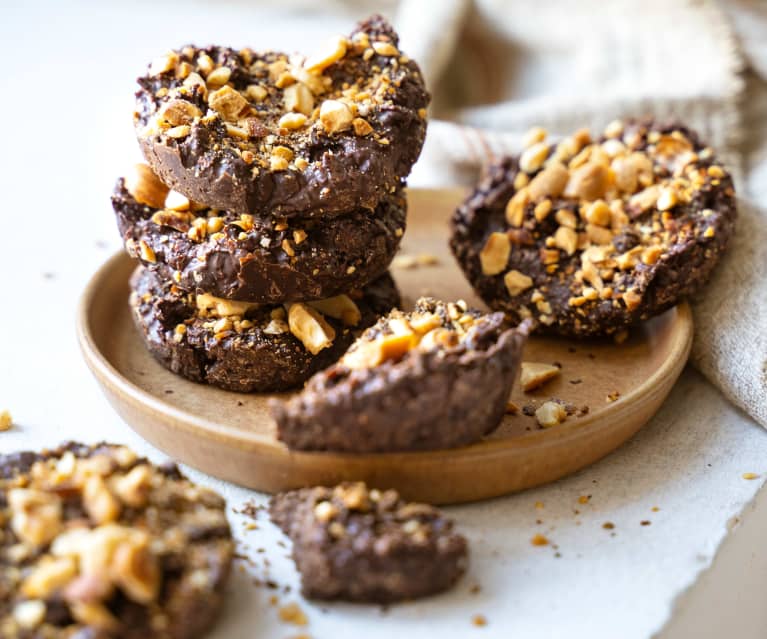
498,67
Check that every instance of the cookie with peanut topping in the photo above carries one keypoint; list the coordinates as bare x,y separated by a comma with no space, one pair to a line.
247,347
590,236
356,544
273,135
98,542
239,257
438,377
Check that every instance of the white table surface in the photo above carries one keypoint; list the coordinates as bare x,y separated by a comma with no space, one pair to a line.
67,135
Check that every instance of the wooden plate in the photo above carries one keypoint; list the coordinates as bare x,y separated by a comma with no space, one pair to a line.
231,436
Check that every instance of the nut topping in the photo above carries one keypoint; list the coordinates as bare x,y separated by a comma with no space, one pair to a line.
219,307
515,208
145,187
135,570
495,254
566,239
228,103
533,157
100,504
299,98
550,182
35,515
176,202
332,53
339,307
385,49
177,112
587,182
335,116
517,282
601,215
309,326
77,560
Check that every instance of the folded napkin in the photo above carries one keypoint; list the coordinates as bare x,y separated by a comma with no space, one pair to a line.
498,67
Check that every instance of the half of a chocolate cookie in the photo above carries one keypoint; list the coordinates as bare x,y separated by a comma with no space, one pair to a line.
364,545
248,347
589,237
268,134
98,542
435,378
239,257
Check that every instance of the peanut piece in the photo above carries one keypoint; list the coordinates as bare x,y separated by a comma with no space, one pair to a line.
550,182
299,98
587,182
495,254
339,307
550,414
535,374
335,116
331,53
145,187
310,327
228,103
517,282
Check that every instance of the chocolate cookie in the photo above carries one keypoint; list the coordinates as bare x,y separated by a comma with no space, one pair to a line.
274,135
238,257
248,347
591,237
97,542
356,544
435,378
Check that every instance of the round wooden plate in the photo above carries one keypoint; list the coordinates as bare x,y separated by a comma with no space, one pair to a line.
616,389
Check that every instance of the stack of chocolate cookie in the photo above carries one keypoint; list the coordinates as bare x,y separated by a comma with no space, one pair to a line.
272,204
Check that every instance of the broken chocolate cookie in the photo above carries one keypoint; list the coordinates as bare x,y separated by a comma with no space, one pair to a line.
272,135
248,347
98,542
239,257
435,378
363,545
589,236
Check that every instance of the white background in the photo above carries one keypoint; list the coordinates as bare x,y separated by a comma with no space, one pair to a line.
67,78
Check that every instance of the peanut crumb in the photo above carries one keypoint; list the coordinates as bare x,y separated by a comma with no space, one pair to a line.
608,525
613,396
584,499
550,414
539,505
535,374
292,613
539,540
479,620
750,476
414,261
511,408
621,336
6,421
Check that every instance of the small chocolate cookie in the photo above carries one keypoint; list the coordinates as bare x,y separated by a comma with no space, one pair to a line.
436,378
98,542
237,257
247,347
364,545
590,237
274,135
